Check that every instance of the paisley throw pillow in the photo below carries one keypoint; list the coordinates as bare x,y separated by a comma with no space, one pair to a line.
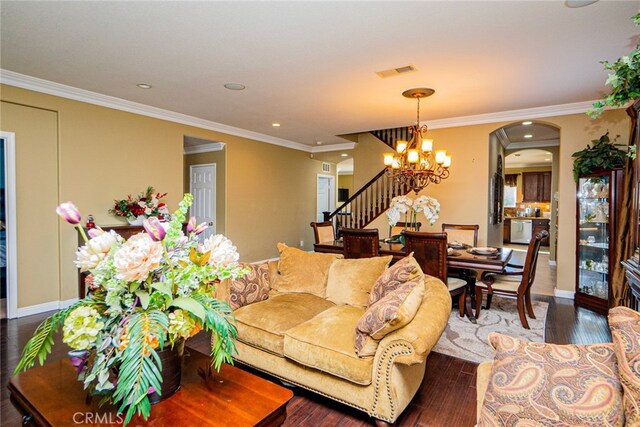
393,311
625,332
250,288
400,272
547,385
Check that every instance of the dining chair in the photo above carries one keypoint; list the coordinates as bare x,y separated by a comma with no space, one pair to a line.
360,243
515,280
323,232
395,230
467,234
430,251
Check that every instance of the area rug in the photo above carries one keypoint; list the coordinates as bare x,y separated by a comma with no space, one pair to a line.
468,341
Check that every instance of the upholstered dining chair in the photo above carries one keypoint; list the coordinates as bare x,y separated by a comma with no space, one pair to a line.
515,280
395,230
465,234
360,243
430,250
323,232
461,233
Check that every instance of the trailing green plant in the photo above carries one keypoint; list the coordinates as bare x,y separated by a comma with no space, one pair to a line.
154,290
624,79
604,154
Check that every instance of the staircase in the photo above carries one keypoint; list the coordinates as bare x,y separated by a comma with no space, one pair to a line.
375,196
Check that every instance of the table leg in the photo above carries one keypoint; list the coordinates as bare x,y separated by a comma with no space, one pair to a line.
469,277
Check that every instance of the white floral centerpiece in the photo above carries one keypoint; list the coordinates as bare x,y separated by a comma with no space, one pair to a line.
409,208
148,293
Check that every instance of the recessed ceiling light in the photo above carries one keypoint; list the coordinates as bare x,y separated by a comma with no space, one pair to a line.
275,125
517,155
528,135
144,86
319,142
527,123
547,160
578,3
234,86
343,155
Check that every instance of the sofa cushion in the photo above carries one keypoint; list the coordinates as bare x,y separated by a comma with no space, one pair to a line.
301,271
264,323
252,287
350,280
400,272
326,343
625,332
393,311
546,384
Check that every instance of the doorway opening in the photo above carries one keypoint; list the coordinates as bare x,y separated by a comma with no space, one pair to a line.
8,245
326,196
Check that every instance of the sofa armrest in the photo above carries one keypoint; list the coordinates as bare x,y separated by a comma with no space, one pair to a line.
483,375
223,290
424,331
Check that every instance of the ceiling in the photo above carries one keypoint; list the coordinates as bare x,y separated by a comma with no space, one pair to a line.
311,66
532,132
528,158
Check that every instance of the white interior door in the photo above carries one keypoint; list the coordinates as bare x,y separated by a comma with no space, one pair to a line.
326,196
203,188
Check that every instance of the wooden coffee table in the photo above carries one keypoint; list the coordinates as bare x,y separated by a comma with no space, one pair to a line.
52,396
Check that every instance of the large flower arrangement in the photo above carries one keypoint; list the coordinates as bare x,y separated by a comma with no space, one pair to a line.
147,204
403,205
154,290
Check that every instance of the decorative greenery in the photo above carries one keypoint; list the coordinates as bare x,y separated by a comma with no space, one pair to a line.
603,155
624,79
155,289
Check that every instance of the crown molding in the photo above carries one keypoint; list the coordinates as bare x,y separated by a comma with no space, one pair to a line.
513,115
533,144
333,147
57,89
204,148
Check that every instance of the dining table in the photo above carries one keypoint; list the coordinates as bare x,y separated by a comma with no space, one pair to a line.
465,259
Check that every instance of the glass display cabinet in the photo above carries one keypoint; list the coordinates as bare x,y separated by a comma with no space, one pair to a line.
595,238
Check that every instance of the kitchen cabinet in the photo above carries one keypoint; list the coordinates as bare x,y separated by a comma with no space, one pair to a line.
597,206
506,230
538,226
536,187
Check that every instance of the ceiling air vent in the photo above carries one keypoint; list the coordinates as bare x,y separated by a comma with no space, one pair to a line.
396,71
326,167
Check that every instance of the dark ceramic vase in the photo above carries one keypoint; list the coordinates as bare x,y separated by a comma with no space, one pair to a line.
171,359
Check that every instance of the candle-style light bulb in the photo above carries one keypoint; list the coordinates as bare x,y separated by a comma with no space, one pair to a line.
388,159
396,163
447,161
440,156
413,156
427,145
401,146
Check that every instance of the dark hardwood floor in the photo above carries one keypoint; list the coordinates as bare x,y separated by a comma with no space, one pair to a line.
447,396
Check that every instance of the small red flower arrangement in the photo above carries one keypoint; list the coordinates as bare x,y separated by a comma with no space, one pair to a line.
147,204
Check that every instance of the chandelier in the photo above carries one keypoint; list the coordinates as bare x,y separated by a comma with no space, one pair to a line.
415,163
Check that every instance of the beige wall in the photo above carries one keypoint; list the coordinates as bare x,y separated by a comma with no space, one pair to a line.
464,195
104,154
346,181
219,159
36,133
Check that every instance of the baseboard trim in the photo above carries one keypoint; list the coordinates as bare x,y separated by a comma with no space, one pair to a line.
564,294
44,307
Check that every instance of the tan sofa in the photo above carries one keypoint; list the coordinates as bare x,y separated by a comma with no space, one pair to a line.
308,341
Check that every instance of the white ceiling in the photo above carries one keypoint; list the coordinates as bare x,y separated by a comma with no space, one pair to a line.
311,65
528,158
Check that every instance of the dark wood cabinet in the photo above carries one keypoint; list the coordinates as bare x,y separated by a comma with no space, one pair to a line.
598,204
536,187
506,234
539,225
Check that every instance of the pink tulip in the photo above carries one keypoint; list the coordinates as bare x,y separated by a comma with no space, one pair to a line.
69,212
192,228
154,228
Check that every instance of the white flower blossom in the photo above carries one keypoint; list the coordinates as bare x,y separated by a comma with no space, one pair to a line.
91,254
223,252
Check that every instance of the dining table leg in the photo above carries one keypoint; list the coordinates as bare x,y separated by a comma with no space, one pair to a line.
469,277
